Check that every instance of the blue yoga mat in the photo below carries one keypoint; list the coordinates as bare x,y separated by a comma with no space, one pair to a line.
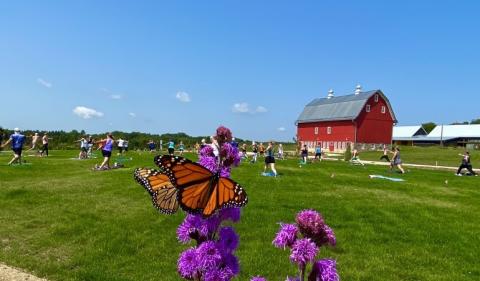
385,178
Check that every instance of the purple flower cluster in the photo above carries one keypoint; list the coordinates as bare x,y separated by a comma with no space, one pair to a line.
305,238
286,236
213,257
223,135
228,154
311,225
303,251
324,270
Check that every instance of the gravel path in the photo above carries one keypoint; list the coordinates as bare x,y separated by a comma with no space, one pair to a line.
8,273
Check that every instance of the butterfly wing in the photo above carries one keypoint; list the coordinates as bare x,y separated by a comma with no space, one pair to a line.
152,180
165,200
158,185
199,190
181,171
226,194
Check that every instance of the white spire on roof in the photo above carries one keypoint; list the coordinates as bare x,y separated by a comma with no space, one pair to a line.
330,94
358,89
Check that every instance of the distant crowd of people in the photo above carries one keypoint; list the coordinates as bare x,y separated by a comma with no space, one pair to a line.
250,153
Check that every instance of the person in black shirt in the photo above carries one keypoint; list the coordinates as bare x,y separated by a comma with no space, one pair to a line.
466,164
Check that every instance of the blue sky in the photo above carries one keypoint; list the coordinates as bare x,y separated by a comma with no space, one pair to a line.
249,65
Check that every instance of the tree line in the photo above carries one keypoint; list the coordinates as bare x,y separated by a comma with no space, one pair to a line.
136,140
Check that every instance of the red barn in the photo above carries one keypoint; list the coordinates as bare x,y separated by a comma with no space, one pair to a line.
364,118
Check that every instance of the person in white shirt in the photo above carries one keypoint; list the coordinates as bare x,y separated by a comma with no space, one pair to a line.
83,148
120,144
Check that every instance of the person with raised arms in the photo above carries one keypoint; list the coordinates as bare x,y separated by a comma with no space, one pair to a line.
270,160
35,138
466,164
107,147
45,140
83,148
17,141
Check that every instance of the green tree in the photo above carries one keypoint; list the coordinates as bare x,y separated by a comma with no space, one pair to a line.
429,126
475,121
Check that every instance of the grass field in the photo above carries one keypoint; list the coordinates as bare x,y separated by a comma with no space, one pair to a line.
61,221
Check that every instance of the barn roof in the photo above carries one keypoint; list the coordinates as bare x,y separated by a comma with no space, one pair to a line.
408,131
456,131
339,108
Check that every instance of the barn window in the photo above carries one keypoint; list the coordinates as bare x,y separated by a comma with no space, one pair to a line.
367,108
376,98
316,130
383,109
329,130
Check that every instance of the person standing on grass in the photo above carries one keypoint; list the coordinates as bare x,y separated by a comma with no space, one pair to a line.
280,151
385,153
270,159
466,164
304,154
171,147
120,143
107,148
45,140
35,138
151,146
261,149
181,148
90,142
318,153
17,141
255,152
244,151
83,148
397,161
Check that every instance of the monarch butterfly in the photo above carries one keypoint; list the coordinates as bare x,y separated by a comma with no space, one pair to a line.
164,194
199,190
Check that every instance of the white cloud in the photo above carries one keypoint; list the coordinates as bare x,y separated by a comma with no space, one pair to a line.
112,95
133,115
260,109
86,113
183,96
281,129
44,83
116,97
241,108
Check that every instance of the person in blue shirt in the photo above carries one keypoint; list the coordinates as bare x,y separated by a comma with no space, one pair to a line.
151,146
181,148
171,147
234,143
17,141
318,152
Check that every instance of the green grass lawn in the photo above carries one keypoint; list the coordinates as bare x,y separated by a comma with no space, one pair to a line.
61,221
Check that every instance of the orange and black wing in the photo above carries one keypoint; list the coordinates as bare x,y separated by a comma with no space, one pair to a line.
158,185
165,200
191,179
199,190
152,180
226,193
181,171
